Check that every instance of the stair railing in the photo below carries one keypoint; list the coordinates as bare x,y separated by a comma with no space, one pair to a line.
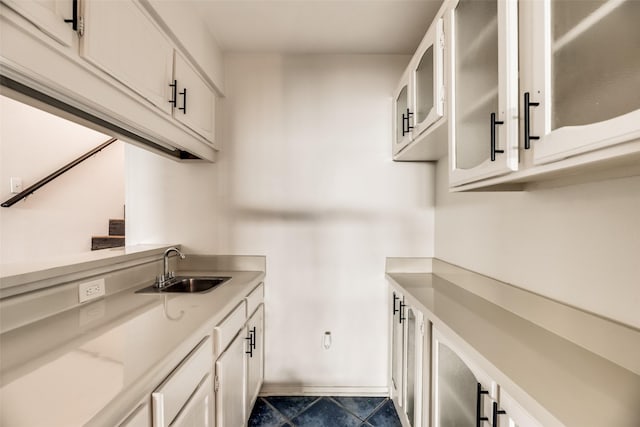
44,181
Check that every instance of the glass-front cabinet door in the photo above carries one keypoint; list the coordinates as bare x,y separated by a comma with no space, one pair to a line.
403,116
427,75
583,80
483,119
463,394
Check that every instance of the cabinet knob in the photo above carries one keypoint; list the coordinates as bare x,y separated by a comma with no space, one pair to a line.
527,121
494,122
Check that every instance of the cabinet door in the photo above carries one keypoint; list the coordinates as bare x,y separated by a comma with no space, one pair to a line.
231,383
428,83
172,396
483,119
463,395
413,362
199,410
195,100
121,40
255,352
48,15
402,115
584,75
397,346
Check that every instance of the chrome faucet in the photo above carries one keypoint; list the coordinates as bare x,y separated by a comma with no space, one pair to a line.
167,275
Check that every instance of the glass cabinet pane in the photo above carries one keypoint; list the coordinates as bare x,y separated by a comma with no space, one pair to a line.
476,79
595,60
424,85
457,388
402,102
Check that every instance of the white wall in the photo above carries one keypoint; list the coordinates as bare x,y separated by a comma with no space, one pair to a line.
310,184
304,177
60,218
578,244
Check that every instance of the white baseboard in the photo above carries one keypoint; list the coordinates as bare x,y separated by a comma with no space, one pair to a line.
308,390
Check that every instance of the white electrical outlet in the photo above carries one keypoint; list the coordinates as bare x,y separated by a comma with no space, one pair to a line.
90,290
16,185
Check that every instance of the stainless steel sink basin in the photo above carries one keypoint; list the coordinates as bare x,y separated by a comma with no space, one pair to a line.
184,284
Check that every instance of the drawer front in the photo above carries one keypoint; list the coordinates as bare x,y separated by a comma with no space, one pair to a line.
229,327
254,299
174,392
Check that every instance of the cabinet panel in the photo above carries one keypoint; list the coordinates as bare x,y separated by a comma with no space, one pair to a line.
195,100
402,115
397,346
255,364
199,410
483,130
582,104
229,327
121,40
170,397
230,376
463,393
48,15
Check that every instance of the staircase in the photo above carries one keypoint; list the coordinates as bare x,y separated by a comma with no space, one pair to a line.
115,239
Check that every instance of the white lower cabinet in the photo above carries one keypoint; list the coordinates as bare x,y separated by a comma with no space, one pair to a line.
199,410
183,396
239,368
255,353
230,384
409,377
464,394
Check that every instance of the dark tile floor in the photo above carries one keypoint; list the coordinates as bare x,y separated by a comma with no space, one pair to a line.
313,411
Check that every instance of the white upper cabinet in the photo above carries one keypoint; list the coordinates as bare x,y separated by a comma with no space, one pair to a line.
402,114
419,101
53,17
428,79
483,83
121,40
194,99
582,76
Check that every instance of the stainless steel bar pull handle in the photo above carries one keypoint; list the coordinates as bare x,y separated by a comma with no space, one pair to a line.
527,121
494,122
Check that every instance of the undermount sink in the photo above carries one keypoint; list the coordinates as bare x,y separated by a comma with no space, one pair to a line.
184,284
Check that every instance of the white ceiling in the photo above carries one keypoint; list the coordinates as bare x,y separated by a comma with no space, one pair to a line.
318,26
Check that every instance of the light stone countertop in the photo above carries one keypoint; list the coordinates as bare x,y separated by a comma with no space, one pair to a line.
105,355
557,380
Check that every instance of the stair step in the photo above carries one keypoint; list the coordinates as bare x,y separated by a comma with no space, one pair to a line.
116,227
105,242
